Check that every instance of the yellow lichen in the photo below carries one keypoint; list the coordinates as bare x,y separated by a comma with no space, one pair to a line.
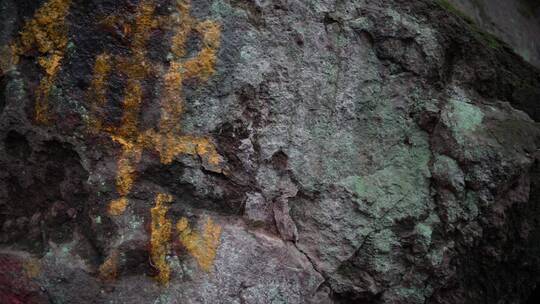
160,237
171,102
47,33
126,169
170,146
98,90
108,271
202,66
118,206
50,64
144,21
41,107
203,247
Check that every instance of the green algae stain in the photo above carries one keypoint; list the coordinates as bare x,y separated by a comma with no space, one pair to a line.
467,116
424,230
424,233
462,118
360,186
400,187
384,241
355,184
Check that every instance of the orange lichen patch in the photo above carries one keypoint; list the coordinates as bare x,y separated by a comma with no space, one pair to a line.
126,169
47,33
211,32
50,64
32,268
117,207
98,90
41,107
127,135
170,146
167,139
135,68
183,26
102,68
172,104
144,22
133,97
108,271
202,66
203,247
160,237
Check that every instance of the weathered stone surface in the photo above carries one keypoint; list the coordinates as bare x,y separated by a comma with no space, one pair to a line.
517,22
223,151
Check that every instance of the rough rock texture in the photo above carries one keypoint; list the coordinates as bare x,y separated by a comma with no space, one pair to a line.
517,22
225,151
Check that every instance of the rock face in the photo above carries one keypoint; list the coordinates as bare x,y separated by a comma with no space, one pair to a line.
517,22
225,151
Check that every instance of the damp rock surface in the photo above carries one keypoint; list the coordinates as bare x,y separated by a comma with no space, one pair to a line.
224,151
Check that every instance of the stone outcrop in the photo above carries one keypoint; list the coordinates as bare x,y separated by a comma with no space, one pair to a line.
225,151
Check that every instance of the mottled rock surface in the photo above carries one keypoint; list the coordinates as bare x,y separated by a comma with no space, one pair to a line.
226,151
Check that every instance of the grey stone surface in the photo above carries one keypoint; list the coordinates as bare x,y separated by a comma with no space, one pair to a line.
372,151
517,22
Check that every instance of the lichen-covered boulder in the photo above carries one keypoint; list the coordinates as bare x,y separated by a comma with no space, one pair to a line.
225,151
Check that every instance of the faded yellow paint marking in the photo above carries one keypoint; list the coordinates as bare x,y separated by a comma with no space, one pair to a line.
160,237
167,139
108,271
202,246
46,32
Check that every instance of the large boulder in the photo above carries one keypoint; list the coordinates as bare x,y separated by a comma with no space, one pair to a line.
225,151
